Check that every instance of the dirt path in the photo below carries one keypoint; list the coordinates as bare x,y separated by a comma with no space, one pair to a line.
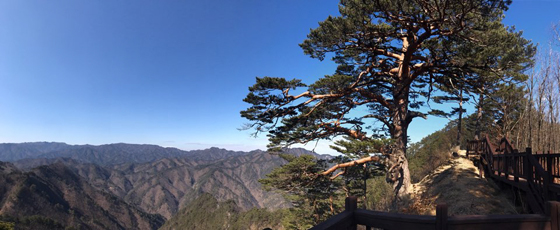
457,184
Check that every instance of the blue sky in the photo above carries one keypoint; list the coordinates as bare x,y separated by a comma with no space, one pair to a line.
171,74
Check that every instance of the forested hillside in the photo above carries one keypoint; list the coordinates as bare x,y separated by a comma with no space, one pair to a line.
54,197
207,213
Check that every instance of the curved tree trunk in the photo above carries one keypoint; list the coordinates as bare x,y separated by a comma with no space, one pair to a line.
399,173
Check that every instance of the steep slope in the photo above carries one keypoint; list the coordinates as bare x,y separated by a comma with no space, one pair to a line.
167,185
55,197
207,213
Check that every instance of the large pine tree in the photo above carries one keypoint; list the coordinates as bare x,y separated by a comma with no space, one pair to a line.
391,56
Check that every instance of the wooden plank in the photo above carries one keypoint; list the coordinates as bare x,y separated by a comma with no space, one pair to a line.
489,222
494,222
386,220
554,188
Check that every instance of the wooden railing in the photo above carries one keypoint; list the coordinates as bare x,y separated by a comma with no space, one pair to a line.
551,164
351,217
539,173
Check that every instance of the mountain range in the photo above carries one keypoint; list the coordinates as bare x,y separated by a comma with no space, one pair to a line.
157,180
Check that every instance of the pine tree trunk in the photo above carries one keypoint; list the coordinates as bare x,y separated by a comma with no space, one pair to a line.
478,118
530,111
365,176
459,124
403,183
399,173
505,111
539,133
317,215
331,205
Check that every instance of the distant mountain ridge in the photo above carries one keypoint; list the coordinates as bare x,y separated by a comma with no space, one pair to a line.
18,151
109,154
115,154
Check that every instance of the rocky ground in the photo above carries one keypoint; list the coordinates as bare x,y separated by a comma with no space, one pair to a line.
457,183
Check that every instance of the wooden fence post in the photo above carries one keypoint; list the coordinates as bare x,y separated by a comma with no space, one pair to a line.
480,167
527,168
351,204
549,167
499,165
516,168
441,217
489,157
500,161
553,211
548,180
506,163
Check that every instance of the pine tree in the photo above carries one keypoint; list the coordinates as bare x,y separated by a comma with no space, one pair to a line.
355,178
313,195
390,56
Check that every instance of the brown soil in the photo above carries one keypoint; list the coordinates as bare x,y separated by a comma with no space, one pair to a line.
458,185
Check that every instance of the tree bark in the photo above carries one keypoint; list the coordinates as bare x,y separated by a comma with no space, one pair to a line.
365,177
478,118
530,110
398,172
459,123
349,164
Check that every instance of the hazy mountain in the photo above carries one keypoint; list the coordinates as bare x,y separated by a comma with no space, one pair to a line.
54,197
110,154
115,154
14,152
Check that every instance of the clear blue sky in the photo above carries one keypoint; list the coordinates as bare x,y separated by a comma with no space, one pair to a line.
170,73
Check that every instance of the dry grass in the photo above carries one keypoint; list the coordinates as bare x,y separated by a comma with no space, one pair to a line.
457,184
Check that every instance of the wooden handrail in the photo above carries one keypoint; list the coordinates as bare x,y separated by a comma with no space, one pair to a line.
537,170
350,219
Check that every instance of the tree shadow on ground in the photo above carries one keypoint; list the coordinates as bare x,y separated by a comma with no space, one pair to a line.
459,186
